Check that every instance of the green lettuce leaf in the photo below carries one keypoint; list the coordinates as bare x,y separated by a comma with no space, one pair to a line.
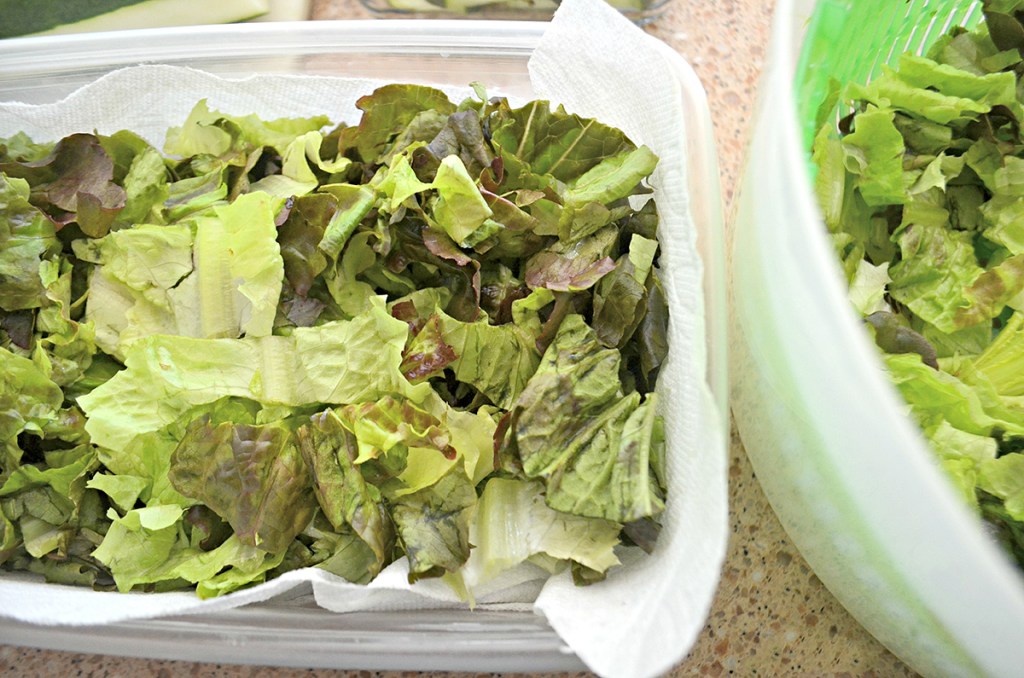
207,132
253,477
575,429
433,525
874,153
557,143
26,238
29,400
138,543
513,525
220,276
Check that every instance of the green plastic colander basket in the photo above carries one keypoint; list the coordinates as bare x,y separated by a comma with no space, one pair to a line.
850,41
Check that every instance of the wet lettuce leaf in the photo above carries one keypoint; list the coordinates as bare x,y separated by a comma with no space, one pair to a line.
922,189
274,344
577,430
27,237
514,525
253,477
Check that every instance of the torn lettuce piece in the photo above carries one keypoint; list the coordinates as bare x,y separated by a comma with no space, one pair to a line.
253,477
29,400
27,238
207,132
940,280
390,109
138,543
330,451
433,525
74,183
219,276
513,525
300,159
554,142
339,362
575,429
619,297
459,209
874,153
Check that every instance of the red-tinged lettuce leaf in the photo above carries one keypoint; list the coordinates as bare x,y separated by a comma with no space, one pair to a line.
74,183
251,476
495,360
16,329
433,525
26,238
428,354
300,236
574,429
499,289
573,267
381,425
651,337
443,265
619,302
463,136
330,450
561,144
388,111
342,553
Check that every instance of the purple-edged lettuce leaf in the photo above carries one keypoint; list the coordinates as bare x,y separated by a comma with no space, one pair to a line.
74,183
27,237
575,429
388,111
433,525
330,451
253,477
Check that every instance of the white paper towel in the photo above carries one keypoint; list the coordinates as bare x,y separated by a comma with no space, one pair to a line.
644,617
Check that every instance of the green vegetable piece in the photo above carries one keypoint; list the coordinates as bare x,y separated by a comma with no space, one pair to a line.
874,152
26,238
513,524
576,430
253,477
330,451
433,525
338,362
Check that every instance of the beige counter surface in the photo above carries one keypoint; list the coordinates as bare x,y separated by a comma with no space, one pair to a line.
771,615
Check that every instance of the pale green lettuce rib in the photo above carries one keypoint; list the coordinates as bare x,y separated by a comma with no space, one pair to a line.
337,363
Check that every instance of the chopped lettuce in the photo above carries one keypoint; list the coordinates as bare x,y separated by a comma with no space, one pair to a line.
274,344
922,189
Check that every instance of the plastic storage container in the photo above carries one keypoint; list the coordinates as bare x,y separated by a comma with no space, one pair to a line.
295,632
848,474
639,11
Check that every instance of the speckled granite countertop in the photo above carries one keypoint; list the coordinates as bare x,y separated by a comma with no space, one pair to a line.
772,616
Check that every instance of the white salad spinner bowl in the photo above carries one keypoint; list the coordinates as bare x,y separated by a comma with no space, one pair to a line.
842,464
